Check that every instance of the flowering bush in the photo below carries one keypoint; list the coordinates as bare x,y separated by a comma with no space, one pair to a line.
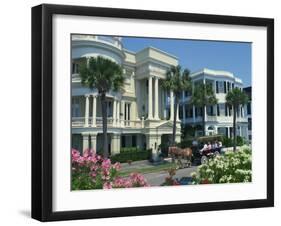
91,171
233,167
169,180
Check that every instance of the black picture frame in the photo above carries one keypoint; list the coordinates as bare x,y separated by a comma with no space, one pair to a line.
42,111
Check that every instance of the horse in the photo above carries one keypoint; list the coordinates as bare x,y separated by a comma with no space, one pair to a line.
181,153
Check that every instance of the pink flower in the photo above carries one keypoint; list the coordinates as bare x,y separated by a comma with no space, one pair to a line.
117,166
75,155
107,185
106,164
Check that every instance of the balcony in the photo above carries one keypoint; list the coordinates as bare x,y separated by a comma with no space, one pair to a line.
209,118
111,123
109,40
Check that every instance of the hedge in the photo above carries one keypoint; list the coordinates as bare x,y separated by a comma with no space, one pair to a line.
133,154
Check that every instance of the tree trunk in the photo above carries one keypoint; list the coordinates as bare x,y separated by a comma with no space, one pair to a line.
203,119
175,120
234,128
104,125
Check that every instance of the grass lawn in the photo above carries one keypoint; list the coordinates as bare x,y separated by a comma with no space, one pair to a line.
152,169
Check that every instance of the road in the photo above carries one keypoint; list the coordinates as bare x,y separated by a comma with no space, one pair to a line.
156,179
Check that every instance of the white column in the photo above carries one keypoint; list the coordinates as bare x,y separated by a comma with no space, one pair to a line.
178,138
114,112
85,138
87,111
94,142
205,113
178,112
94,111
115,144
193,113
171,105
118,114
150,116
183,113
163,106
127,114
156,100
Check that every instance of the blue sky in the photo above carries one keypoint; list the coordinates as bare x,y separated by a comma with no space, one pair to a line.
235,57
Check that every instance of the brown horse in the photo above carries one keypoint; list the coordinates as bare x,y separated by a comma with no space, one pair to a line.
178,154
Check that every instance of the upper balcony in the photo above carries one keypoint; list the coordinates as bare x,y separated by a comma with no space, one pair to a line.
111,123
109,40
222,119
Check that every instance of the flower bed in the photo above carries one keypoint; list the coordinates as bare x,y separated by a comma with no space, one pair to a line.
232,167
91,171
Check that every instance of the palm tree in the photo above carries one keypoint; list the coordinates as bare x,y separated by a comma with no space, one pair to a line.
203,95
177,81
104,75
235,98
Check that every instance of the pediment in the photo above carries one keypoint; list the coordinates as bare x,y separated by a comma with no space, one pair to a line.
168,124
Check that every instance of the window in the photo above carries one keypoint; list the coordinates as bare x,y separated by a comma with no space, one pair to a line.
134,141
226,110
228,86
218,110
249,110
187,93
210,110
189,111
219,87
123,141
109,109
231,131
127,111
229,110
224,86
180,112
210,128
75,68
198,111
249,124
75,110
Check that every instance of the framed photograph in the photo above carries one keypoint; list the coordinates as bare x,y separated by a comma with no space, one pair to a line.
145,112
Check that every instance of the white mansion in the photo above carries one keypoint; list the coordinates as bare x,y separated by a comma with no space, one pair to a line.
141,116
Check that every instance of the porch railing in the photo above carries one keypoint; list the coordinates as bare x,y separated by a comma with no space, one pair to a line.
81,122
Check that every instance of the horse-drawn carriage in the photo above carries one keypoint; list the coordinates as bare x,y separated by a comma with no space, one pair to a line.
184,157
201,154
181,156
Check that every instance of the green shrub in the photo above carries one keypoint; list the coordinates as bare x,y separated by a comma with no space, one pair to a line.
185,143
240,141
227,142
129,149
133,154
233,167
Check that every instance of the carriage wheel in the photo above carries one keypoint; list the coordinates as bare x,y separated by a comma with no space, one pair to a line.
204,159
180,164
217,153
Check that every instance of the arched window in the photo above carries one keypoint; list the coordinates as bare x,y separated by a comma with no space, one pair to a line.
210,128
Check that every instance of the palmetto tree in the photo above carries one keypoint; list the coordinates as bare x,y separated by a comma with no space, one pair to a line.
104,75
235,98
177,81
203,95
